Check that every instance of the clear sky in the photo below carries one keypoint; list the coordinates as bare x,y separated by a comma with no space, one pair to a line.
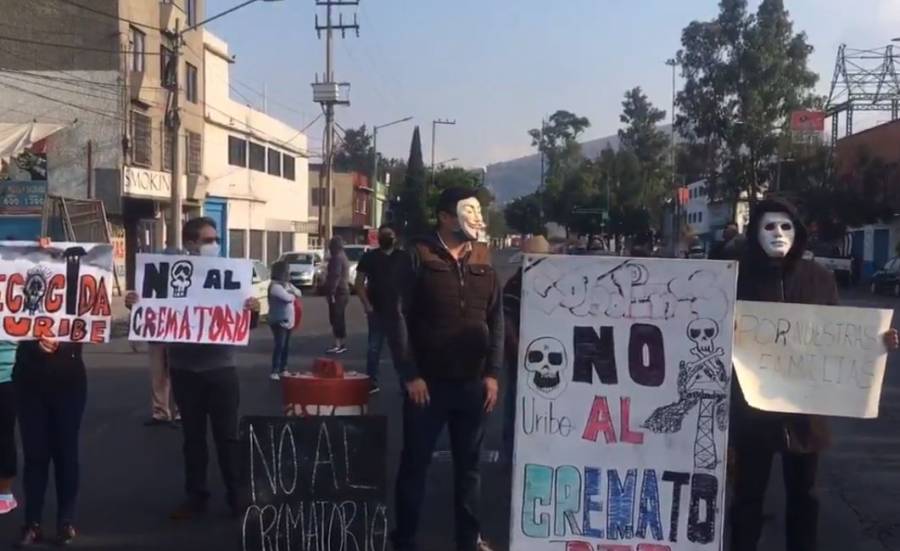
497,66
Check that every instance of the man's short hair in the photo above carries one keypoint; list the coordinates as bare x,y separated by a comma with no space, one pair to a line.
191,229
451,196
386,227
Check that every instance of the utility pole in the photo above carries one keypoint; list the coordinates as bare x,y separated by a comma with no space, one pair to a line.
173,123
676,230
376,220
328,93
434,124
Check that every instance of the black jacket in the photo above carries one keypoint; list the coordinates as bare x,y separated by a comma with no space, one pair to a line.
791,280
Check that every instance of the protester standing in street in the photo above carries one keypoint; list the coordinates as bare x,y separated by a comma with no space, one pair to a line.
337,290
731,246
773,270
453,311
8,459
165,412
512,304
281,316
51,393
205,384
378,277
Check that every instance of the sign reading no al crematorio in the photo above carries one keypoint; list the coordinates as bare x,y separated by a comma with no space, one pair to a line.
191,299
622,404
60,291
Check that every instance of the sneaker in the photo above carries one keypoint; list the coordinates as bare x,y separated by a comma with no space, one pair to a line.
374,388
334,350
285,373
275,377
7,503
65,535
31,535
340,350
189,510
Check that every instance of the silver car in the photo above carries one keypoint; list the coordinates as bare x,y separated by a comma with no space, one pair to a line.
304,268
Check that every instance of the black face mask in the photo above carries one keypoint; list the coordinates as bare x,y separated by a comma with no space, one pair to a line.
386,241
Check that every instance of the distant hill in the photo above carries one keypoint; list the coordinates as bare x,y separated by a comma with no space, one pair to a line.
509,180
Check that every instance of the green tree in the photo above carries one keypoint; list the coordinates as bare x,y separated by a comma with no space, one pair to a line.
496,222
649,145
409,210
354,152
744,75
524,215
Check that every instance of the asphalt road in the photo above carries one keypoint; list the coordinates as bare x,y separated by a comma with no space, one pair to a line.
132,475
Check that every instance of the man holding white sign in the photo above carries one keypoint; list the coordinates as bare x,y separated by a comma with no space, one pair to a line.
773,270
202,306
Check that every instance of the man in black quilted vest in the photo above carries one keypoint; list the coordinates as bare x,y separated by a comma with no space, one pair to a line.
454,317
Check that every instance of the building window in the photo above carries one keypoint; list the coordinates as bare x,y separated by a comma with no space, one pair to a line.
273,246
168,146
256,244
700,217
287,241
138,44
237,151
257,157
288,167
314,241
274,162
236,244
193,154
191,89
166,66
191,11
142,144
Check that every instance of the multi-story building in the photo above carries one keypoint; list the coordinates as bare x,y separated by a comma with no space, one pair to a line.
353,201
257,170
103,69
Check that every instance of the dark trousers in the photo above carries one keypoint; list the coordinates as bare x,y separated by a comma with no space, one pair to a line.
376,343
337,309
282,337
212,394
460,406
49,425
7,431
753,465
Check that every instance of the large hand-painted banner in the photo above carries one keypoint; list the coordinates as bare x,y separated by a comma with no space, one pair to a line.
192,299
825,360
622,406
58,291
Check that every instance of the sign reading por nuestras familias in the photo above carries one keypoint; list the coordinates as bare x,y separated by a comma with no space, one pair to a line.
622,404
823,360
191,299
59,291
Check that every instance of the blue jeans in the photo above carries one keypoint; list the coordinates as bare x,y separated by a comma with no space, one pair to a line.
282,337
376,343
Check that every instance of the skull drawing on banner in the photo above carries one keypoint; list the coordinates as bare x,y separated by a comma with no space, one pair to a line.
547,363
181,278
34,289
703,333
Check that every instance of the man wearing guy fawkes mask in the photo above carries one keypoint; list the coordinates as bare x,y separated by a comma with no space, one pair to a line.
452,310
772,270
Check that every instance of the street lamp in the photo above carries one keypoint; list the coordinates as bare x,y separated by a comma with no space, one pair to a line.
434,124
375,217
174,122
447,161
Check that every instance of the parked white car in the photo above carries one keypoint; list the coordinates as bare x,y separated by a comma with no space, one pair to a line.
303,268
261,280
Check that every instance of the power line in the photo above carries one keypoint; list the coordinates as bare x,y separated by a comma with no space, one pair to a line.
46,66
69,91
61,102
74,47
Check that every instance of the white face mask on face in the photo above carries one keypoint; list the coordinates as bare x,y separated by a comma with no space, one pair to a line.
209,249
776,234
471,222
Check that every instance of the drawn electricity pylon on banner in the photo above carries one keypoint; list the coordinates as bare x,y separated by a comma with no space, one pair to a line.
702,383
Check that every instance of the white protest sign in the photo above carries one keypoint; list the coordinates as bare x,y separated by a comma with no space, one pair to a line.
622,405
191,299
823,360
59,291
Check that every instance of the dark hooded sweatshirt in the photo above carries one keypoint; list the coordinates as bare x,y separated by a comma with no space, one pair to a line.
791,280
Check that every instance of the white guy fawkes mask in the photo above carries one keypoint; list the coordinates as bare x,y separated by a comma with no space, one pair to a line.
471,223
776,234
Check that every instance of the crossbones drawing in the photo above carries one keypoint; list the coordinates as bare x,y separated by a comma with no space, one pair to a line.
702,381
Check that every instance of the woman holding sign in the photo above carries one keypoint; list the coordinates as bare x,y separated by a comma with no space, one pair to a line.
773,270
51,392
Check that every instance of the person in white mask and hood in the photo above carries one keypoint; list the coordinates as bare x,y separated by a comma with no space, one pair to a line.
205,385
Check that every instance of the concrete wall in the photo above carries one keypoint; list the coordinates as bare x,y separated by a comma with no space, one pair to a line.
256,200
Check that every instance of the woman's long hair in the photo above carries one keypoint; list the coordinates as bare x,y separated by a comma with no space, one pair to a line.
280,271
